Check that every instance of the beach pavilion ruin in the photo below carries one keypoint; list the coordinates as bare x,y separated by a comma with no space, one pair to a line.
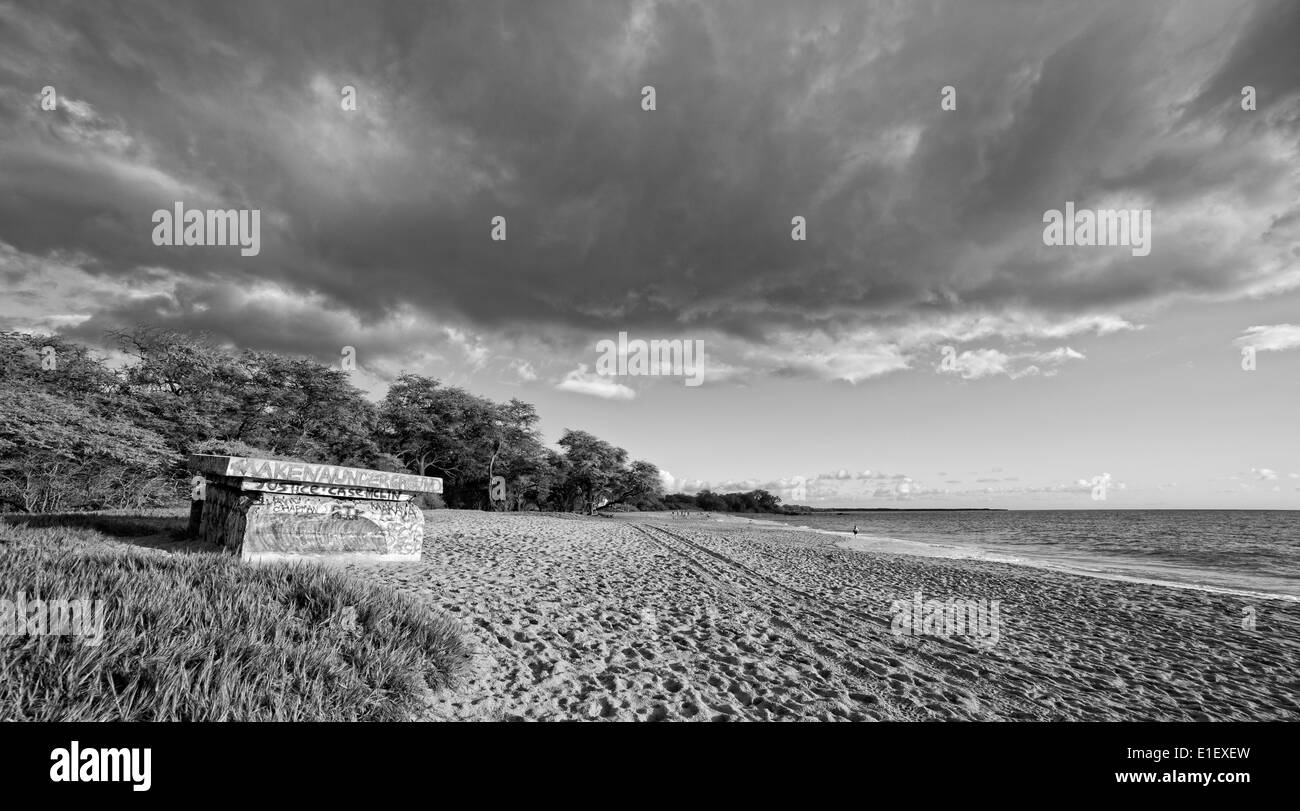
267,509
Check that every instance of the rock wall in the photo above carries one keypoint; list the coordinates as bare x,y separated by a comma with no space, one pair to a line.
262,525
225,514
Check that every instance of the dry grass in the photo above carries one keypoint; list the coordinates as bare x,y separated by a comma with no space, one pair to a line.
204,637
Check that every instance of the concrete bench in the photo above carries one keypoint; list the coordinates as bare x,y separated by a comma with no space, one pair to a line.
264,509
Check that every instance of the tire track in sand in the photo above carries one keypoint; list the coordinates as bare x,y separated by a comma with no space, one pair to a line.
816,626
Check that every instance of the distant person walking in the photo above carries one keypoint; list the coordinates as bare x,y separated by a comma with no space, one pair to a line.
855,530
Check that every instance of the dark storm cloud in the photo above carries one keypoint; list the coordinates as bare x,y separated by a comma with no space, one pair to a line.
1263,56
620,218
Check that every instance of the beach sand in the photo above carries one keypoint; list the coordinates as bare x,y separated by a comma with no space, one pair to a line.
651,617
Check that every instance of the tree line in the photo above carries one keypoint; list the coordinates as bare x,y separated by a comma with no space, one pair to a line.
753,501
77,432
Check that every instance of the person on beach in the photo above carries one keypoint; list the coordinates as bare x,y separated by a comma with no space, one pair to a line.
855,530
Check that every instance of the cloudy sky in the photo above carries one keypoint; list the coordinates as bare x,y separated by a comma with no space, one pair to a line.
824,357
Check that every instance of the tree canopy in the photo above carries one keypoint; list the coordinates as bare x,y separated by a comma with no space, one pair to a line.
83,434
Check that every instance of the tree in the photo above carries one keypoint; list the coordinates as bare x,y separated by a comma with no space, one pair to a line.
447,432
75,433
184,387
548,485
303,409
517,452
710,501
56,455
594,467
74,375
637,485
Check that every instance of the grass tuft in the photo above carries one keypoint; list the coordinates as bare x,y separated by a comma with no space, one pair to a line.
204,637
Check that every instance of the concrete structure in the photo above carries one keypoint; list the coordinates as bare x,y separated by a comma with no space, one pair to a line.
265,509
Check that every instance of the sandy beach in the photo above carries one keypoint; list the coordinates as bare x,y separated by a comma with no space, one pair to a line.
652,617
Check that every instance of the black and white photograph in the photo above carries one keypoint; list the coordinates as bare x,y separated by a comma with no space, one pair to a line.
426,366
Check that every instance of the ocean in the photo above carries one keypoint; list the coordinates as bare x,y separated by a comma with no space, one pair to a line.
1254,551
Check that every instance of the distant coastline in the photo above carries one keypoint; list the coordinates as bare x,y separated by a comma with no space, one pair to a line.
845,510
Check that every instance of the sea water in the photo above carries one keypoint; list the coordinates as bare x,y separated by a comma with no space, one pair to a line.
1255,551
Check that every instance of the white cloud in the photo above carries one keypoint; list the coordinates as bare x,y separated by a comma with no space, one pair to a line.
581,381
976,363
522,370
1271,338
1059,355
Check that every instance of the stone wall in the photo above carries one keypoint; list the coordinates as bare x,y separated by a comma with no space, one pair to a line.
225,511
318,511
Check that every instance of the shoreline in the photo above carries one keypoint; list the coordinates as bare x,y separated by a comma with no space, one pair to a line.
863,542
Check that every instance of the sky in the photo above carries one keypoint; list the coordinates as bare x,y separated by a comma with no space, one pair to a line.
921,346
